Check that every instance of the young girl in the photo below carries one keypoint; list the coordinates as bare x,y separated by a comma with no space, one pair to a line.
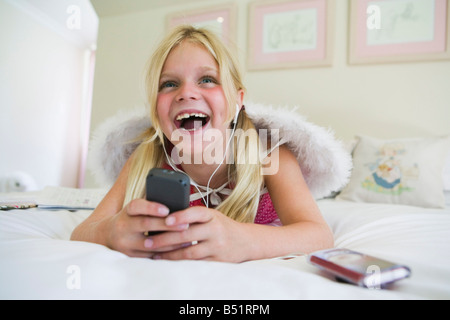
195,88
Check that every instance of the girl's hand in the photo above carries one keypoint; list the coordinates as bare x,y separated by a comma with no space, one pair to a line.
126,230
209,236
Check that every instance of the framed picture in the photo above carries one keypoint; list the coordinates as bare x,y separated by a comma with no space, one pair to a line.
290,34
220,19
399,31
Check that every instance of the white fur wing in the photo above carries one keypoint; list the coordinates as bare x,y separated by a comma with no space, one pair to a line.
324,162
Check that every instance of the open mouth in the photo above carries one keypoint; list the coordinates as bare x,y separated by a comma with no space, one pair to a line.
191,121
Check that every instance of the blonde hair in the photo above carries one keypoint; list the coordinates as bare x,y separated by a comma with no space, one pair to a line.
241,205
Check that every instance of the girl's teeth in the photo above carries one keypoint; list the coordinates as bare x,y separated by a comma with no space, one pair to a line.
188,115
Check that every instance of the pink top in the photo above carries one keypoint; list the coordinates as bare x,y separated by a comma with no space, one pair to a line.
265,214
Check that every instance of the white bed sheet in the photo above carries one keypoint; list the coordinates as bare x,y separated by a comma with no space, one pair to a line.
37,261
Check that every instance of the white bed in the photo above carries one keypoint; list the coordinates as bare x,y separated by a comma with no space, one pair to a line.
39,262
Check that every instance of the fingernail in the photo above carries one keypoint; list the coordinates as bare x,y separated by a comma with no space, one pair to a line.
148,243
163,210
185,245
183,226
170,221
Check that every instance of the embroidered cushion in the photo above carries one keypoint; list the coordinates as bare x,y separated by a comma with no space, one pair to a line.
399,171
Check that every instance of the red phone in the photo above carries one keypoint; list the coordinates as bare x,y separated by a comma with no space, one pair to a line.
358,268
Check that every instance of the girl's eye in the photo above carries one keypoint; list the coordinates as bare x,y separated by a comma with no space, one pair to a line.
208,80
167,84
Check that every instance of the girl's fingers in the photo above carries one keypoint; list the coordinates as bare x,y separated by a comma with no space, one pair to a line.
198,251
142,246
147,216
147,208
190,216
145,224
194,233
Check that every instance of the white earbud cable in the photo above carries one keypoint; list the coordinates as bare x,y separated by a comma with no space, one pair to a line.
170,161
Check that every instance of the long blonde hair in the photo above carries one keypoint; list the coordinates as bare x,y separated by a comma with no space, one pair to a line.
241,205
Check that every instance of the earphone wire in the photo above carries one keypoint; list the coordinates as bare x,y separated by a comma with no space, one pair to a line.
170,161
224,155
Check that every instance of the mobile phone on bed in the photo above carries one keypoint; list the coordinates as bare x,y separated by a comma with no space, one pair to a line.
169,188
358,268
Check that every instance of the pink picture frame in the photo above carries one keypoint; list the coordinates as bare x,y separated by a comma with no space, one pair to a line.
290,34
399,31
220,19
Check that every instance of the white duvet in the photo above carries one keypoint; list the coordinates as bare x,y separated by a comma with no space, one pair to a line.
37,261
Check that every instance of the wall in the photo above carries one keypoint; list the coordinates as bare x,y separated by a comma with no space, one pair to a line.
390,100
41,77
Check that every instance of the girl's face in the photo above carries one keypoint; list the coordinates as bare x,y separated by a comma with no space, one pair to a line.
191,100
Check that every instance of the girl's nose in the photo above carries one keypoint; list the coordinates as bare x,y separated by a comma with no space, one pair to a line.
187,92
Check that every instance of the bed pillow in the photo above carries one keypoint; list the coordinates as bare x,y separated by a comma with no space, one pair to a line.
401,171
